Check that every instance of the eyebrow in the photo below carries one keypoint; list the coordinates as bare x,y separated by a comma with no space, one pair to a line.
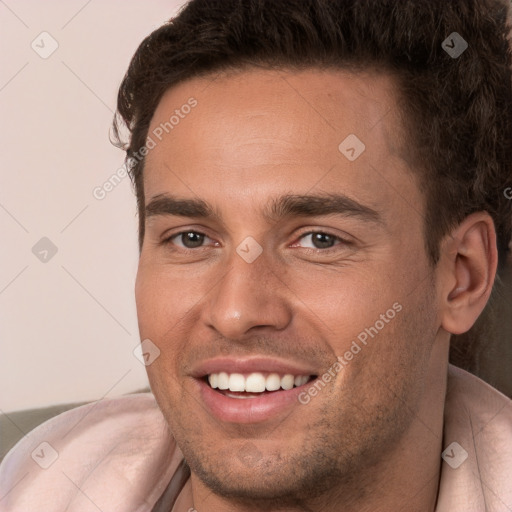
290,205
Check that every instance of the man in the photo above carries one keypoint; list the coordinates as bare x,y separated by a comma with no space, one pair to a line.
320,191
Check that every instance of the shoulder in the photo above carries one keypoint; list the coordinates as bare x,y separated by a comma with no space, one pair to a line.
471,400
477,457
113,454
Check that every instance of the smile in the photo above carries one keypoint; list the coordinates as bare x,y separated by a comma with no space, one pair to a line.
237,385
250,390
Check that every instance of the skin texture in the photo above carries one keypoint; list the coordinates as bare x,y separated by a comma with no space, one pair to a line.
372,438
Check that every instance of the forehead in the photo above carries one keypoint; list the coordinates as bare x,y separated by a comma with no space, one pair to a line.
263,130
306,103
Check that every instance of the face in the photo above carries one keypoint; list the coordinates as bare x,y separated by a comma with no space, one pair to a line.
284,258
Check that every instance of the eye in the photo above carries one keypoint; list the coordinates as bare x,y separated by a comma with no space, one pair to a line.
188,239
320,240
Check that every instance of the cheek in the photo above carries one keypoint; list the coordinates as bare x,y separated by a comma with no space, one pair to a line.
373,320
164,298
397,339
344,301
159,310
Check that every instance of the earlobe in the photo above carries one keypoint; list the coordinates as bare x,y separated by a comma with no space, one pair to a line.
469,260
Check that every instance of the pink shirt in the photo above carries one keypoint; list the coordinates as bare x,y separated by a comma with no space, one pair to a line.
118,455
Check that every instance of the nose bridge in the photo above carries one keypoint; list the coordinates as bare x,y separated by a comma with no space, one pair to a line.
250,295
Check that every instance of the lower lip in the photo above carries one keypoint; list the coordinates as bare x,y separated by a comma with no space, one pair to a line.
249,410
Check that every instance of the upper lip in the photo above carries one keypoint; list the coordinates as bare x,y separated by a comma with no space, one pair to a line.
250,365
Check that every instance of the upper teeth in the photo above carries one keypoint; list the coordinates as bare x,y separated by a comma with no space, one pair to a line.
255,382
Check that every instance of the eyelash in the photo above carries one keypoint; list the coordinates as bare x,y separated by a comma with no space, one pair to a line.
341,241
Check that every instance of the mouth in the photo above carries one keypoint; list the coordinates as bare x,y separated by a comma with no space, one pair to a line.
252,390
255,384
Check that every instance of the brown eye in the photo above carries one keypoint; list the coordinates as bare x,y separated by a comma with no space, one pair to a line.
188,239
319,240
191,239
322,240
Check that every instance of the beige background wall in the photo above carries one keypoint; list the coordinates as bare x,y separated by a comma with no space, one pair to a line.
68,323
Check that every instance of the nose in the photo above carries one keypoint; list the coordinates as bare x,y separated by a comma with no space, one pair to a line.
249,298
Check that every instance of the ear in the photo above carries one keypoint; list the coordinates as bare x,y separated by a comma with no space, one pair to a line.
466,272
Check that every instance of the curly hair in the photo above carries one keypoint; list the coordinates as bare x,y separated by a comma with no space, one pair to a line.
457,112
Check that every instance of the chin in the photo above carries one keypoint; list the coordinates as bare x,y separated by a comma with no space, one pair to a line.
251,473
